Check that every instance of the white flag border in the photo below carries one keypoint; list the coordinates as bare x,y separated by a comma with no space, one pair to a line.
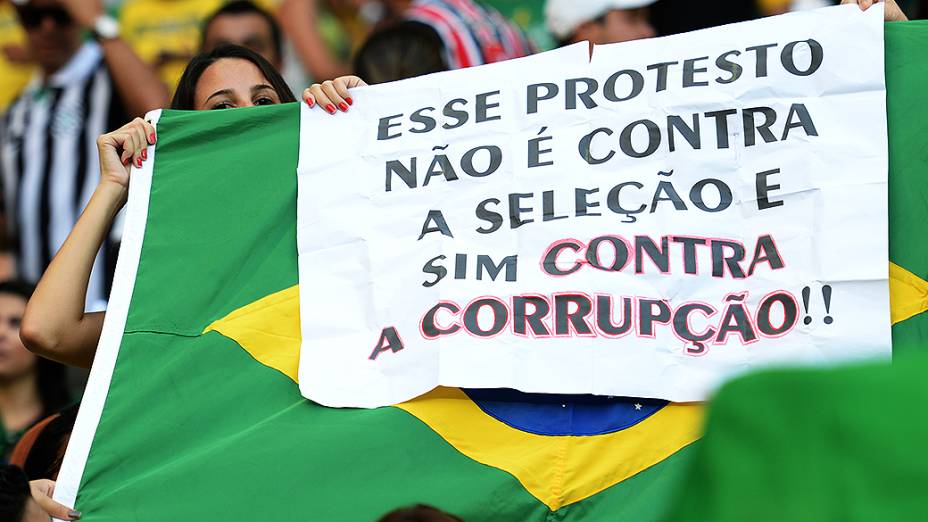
101,373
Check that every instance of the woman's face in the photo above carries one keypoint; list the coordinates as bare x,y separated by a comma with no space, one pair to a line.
233,82
15,359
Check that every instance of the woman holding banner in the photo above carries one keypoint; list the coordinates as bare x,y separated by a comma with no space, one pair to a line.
55,324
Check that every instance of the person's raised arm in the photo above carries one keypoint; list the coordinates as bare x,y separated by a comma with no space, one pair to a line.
55,324
300,21
137,83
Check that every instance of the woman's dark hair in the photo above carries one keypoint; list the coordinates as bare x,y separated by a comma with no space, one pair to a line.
186,88
51,380
399,51
14,492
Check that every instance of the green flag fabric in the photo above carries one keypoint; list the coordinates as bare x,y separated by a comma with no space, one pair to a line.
842,444
907,82
188,415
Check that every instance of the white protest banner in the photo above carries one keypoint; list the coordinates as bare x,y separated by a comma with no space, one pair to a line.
645,223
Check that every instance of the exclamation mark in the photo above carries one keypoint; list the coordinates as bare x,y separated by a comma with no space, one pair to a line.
806,294
826,295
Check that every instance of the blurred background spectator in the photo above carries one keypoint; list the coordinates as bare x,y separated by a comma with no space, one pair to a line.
599,21
31,387
472,34
165,33
15,67
402,50
322,39
80,89
246,23
85,80
242,22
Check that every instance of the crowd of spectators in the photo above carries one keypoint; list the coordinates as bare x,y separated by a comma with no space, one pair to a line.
71,70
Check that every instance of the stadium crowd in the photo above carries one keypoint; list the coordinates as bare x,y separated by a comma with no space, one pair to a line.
74,72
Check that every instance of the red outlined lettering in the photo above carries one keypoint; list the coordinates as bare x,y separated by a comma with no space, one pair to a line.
561,312
525,320
431,316
548,263
762,316
470,317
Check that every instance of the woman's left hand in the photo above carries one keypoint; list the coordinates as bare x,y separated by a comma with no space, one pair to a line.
42,491
332,95
121,148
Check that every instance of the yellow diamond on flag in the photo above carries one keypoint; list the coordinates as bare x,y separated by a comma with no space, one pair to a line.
557,470
908,294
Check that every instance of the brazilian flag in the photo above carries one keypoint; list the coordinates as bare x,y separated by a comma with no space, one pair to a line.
193,410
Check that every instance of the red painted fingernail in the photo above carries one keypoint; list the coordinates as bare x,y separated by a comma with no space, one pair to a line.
126,161
330,108
343,106
152,138
144,154
138,162
349,100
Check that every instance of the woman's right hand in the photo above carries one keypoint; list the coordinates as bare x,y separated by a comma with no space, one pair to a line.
332,94
122,148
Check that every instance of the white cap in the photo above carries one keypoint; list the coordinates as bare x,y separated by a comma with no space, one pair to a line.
565,16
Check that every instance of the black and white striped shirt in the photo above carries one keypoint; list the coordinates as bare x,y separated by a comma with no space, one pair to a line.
50,165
